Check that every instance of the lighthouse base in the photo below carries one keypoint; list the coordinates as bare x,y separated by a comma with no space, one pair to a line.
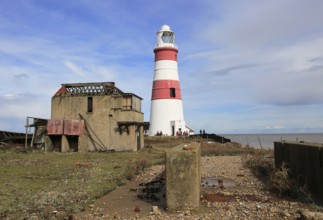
166,117
172,128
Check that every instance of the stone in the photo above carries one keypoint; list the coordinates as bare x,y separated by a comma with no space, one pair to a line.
285,213
137,209
226,207
34,217
156,210
223,193
307,215
258,207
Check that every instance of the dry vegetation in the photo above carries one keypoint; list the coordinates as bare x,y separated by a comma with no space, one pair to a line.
38,184
278,180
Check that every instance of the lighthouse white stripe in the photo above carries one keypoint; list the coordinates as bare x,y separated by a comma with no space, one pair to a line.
166,69
161,64
166,74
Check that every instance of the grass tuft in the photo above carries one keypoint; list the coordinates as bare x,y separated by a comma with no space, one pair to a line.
278,180
135,167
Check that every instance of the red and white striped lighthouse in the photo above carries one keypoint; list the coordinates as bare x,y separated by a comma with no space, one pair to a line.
166,112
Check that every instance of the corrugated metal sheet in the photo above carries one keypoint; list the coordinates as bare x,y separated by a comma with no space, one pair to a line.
73,127
55,127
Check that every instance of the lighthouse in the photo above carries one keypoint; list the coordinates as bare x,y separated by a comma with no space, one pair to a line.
166,112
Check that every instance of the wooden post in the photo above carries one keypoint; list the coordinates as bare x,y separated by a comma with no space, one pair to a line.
26,137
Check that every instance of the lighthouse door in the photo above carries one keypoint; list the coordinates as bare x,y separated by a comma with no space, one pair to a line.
173,130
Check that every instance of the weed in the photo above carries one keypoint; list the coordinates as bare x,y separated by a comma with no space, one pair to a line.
135,167
262,165
279,180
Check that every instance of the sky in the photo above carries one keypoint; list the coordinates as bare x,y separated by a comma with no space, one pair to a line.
249,66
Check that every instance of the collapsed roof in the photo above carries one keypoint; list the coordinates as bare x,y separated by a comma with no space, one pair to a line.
91,89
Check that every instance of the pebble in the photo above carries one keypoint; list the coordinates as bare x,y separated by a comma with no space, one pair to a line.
285,213
259,205
156,210
307,215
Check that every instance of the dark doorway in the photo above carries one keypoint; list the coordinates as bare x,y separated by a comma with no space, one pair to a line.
56,142
73,142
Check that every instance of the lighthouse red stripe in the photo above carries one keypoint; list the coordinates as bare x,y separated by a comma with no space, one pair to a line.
166,89
165,53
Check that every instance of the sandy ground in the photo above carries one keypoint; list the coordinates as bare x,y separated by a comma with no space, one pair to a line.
229,191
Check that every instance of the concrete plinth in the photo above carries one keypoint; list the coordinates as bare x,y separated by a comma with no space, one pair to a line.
49,146
65,144
183,177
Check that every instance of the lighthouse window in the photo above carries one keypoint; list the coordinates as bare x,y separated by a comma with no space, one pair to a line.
167,37
172,92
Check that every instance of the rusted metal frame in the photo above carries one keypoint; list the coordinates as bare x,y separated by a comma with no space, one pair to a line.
106,88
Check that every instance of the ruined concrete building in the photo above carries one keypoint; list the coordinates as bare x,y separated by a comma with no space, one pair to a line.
94,117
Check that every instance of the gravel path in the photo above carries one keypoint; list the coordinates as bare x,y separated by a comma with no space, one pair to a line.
224,178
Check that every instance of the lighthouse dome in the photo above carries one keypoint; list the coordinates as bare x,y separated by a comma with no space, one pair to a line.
165,28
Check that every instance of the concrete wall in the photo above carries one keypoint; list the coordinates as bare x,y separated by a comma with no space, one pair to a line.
101,125
305,161
183,177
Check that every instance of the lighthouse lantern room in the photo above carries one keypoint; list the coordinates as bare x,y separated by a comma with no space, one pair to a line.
166,113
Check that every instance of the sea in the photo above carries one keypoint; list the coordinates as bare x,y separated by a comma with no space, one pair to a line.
267,140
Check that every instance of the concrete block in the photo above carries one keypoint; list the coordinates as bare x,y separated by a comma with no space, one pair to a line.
49,146
183,177
65,145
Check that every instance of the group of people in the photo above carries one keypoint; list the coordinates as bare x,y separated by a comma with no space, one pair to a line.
178,133
159,133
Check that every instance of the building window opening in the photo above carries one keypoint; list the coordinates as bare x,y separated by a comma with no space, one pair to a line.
172,92
89,104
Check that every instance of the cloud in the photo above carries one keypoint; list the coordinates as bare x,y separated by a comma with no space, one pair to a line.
21,76
19,106
244,66
74,68
228,70
271,23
